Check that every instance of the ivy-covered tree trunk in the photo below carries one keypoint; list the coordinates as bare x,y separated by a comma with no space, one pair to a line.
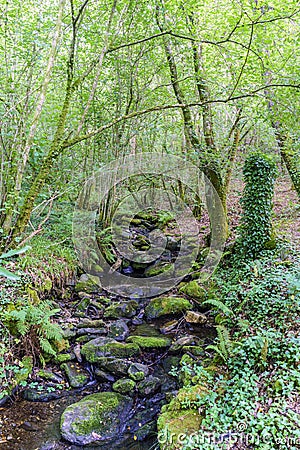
257,202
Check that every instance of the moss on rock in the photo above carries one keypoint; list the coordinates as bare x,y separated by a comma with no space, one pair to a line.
121,309
124,386
149,385
164,306
138,371
193,290
96,419
146,342
157,269
174,425
88,283
116,366
103,346
77,376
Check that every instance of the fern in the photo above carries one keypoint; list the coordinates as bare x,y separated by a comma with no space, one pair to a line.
164,217
33,323
218,351
11,253
46,346
219,305
105,242
53,332
225,344
264,350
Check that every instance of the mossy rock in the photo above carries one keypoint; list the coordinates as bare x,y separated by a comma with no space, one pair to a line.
123,350
173,425
178,345
88,283
69,332
118,330
116,366
97,269
141,241
103,376
77,376
146,216
103,346
121,309
124,386
190,396
135,221
146,342
150,385
165,306
195,350
139,265
157,269
138,371
193,290
49,376
96,419
89,323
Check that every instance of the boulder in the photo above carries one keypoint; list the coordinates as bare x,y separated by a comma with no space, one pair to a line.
77,376
181,342
116,366
165,306
96,419
173,426
149,385
158,269
124,386
118,330
121,309
195,317
104,346
88,284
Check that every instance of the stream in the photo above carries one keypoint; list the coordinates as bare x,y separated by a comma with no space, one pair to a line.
28,425
93,322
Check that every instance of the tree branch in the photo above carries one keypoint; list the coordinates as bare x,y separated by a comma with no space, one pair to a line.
244,63
70,142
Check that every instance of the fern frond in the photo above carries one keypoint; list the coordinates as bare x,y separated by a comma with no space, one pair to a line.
218,351
219,305
225,341
46,346
264,350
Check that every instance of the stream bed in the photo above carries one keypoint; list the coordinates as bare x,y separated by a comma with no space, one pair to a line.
117,349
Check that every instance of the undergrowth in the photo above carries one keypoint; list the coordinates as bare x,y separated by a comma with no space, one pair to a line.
29,334
252,401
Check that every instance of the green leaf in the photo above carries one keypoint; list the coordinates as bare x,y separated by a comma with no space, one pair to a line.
15,252
220,305
7,274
